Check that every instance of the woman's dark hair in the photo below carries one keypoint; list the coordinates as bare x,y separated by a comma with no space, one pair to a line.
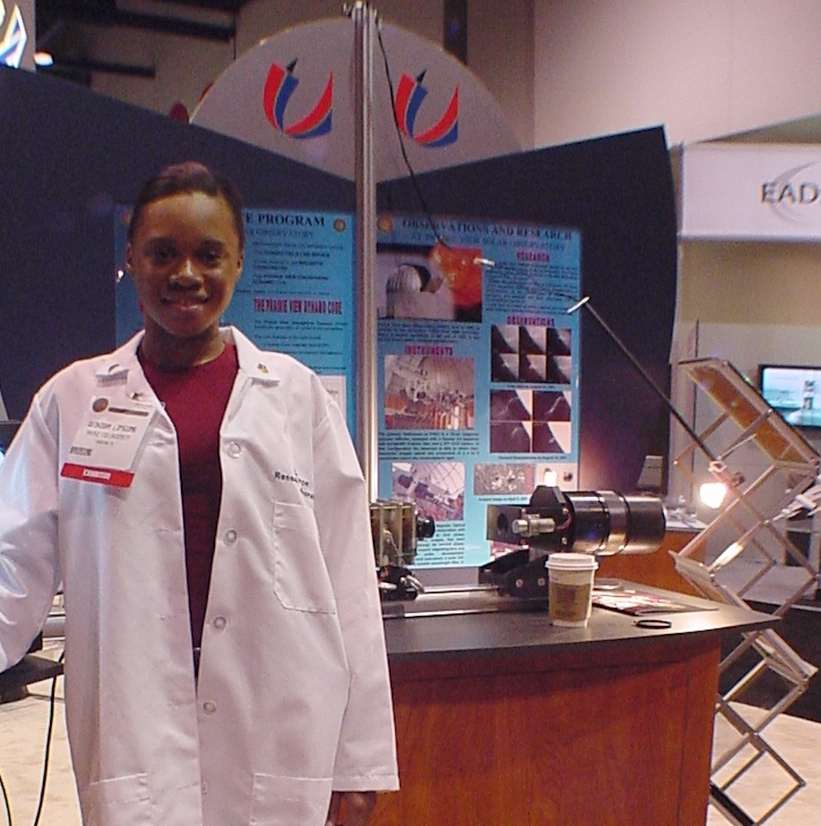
188,177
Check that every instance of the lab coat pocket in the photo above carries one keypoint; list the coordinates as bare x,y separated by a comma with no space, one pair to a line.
289,801
125,801
301,580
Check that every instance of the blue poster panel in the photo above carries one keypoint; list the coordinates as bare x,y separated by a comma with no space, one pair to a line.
295,294
478,370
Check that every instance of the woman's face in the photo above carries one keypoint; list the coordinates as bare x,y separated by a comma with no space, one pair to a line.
185,259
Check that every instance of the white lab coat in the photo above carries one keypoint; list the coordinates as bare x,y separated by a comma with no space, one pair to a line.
293,697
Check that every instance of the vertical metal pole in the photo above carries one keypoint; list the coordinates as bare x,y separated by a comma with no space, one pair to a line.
364,20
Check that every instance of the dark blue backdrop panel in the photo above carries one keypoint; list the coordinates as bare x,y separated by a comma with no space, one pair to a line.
68,156
618,191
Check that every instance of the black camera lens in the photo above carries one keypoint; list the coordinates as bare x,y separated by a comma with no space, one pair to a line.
606,522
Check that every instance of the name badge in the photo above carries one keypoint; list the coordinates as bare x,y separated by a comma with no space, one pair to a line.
106,445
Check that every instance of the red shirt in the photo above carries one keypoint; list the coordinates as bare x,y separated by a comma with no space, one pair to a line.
195,399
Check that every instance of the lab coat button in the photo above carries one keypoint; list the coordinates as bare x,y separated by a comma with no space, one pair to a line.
234,449
204,787
208,707
220,623
230,537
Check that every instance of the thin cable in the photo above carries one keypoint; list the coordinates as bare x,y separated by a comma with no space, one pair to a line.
417,188
587,305
6,801
49,729
414,180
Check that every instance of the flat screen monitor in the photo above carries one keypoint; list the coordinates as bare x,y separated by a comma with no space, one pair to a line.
794,391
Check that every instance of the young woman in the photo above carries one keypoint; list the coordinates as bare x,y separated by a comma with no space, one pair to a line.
201,502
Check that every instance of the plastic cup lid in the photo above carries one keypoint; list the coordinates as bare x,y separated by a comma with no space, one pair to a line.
572,562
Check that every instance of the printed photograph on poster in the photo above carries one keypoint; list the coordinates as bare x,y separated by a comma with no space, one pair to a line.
437,488
505,478
532,354
552,416
509,478
511,437
511,405
511,421
429,392
559,341
433,282
551,437
530,421
559,354
551,406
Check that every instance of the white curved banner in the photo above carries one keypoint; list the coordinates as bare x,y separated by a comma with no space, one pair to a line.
293,93
737,191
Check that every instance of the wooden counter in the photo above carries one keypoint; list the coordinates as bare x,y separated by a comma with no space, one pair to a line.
504,719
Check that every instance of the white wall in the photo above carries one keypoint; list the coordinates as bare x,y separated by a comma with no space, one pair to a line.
704,68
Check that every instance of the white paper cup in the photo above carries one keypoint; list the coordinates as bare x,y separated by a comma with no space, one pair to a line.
570,588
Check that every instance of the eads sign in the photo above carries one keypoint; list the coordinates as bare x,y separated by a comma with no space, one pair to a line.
740,191
293,93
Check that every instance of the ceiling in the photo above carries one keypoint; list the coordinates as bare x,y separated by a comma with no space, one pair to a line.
60,24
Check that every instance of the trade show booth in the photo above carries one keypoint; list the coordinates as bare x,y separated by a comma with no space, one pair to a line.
449,312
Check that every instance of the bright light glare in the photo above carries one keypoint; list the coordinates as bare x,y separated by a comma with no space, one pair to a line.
43,59
550,478
712,494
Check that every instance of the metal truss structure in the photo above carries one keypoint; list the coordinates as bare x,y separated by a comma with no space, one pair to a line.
754,513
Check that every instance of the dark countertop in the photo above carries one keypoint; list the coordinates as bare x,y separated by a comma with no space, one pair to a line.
529,631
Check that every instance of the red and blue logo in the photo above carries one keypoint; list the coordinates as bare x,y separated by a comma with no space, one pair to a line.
279,86
409,96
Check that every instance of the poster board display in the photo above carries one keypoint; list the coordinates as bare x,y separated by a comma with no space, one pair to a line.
751,192
478,370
